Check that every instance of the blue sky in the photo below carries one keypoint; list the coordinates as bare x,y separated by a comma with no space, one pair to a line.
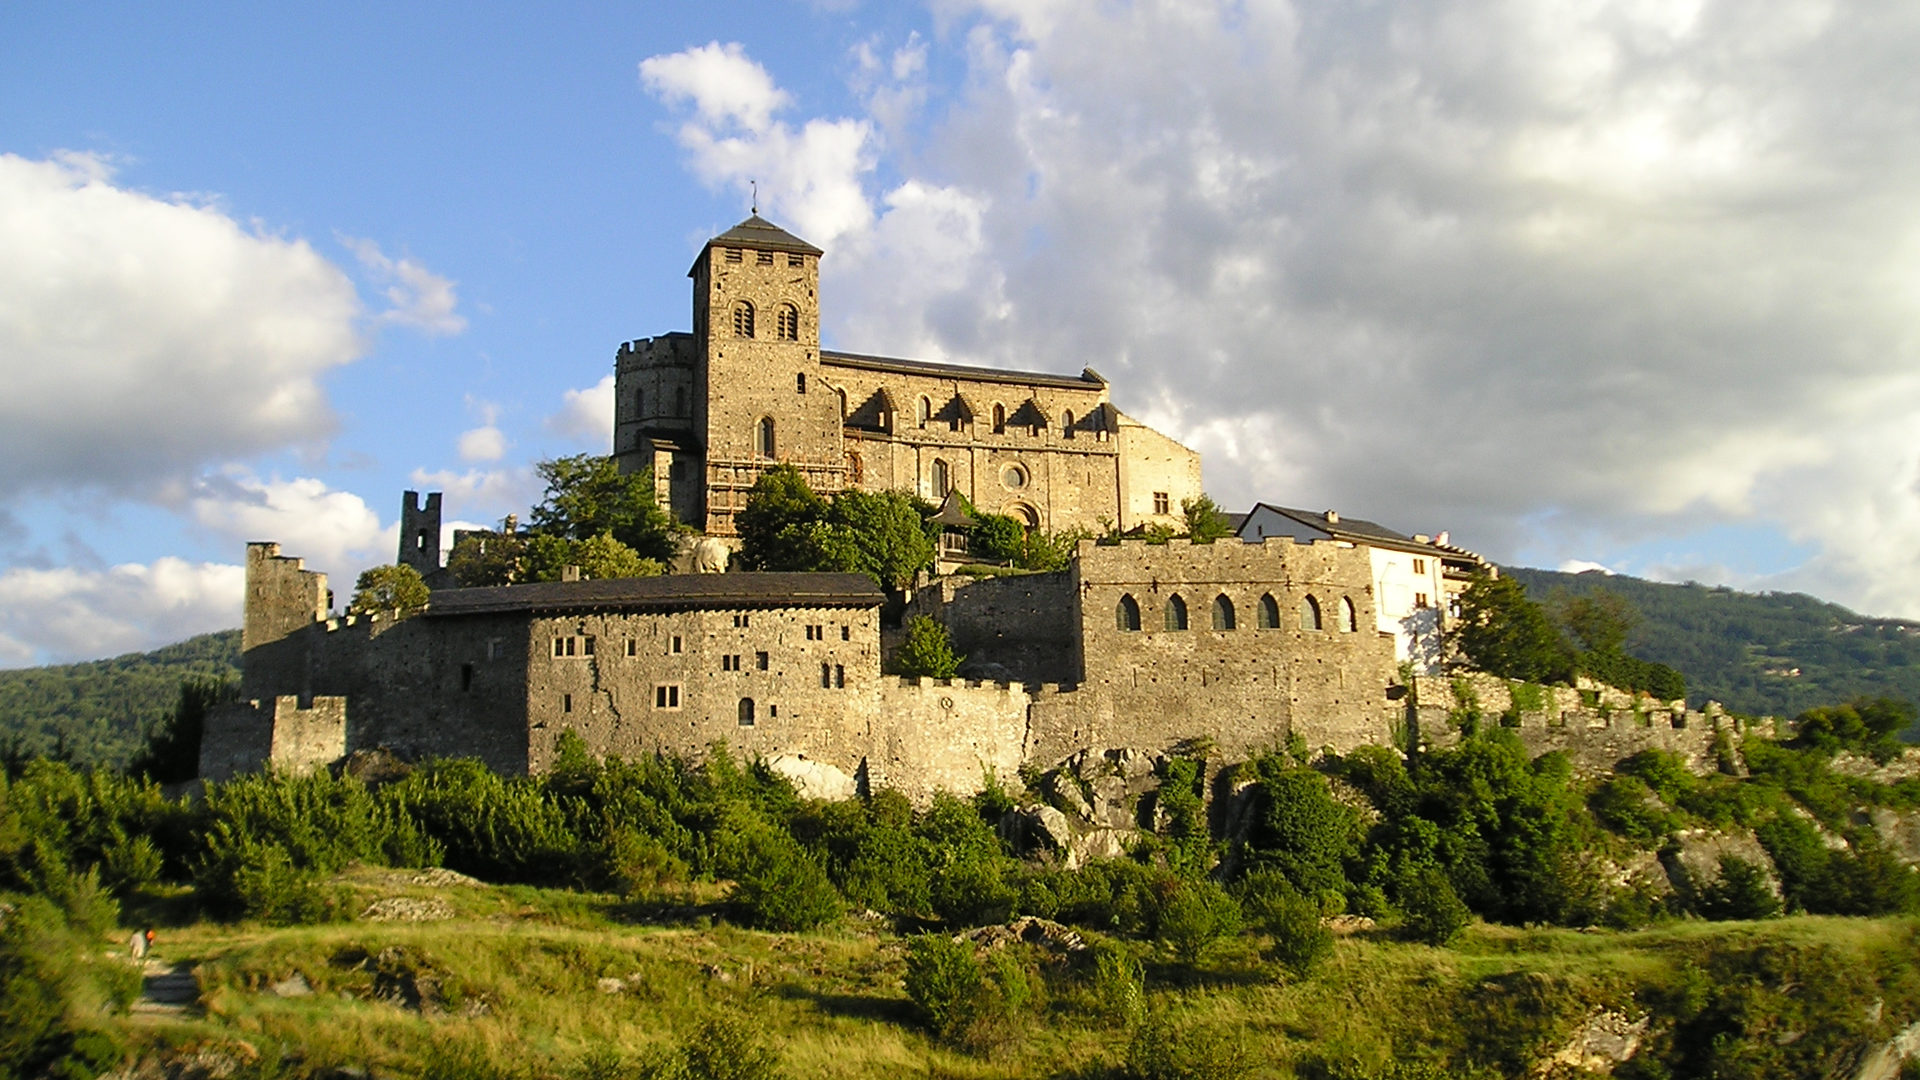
1626,284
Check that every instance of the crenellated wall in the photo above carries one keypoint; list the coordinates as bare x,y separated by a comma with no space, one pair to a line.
1596,726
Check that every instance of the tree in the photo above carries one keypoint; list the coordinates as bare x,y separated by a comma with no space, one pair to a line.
787,526
1869,726
172,753
389,588
1600,620
1502,632
890,545
482,559
1205,522
927,652
599,558
773,524
588,495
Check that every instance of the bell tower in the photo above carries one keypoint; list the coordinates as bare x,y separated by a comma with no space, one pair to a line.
758,395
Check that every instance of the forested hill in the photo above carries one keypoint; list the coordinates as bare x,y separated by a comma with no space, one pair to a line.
1755,653
99,711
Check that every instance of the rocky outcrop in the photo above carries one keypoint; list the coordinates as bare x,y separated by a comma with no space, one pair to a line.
815,779
1692,860
1090,806
1603,1041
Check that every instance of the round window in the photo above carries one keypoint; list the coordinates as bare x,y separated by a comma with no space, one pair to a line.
1014,477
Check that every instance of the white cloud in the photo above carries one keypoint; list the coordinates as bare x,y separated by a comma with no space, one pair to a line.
498,491
1581,566
67,614
721,83
143,338
417,297
486,442
587,414
335,531
1539,276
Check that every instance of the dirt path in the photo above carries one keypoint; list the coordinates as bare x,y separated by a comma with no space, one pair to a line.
166,989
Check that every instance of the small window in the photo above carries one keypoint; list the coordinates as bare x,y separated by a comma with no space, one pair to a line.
1222,612
1176,613
1066,424
586,646
746,712
740,620
639,403
839,677
761,660
923,410
1349,618
999,419
941,483
763,258
742,319
813,632
1126,615
1420,600
1014,477
842,396
763,444
466,677
666,696
566,702
1269,613
773,712
730,662
1161,504
786,324
795,259
1419,566
1309,614
826,676
800,383
673,645
680,401
733,255
846,633
633,647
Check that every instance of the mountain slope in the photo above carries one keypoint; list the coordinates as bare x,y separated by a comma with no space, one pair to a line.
1755,653
100,710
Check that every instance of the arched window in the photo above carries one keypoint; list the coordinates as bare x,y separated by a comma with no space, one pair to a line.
786,323
742,319
1176,614
746,712
842,396
1066,423
1349,619
1309,614
1222,612
923,410
763,437
1269,613
1127,615
999,419
940,480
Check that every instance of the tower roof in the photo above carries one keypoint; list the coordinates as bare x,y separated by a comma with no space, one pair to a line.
760,234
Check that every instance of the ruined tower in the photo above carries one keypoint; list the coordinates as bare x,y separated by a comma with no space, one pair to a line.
420,532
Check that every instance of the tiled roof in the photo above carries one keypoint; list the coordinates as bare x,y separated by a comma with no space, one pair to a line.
670,592
758,232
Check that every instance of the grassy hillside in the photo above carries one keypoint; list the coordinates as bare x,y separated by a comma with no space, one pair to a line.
99,711
1756,653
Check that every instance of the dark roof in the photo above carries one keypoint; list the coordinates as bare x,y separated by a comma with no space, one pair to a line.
1352,529
671,592
759,233
1084,381
951,513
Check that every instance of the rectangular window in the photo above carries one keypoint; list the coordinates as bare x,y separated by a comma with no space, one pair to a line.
730,663
566,702
839,677
666,696
796,260
740,621
673,646
733,255
1420,600
826,676
1161,505
633,647
760,660
572,646
586,646
846,633
816,632
800,382
773,711
763,258
466,676
1419,566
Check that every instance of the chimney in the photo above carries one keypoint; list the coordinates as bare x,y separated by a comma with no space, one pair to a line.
1333,517
1441,540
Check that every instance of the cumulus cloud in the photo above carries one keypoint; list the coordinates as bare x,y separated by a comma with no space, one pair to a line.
495,491
417,297
143,338
335,531
51,616
486,442
1558,279
587,414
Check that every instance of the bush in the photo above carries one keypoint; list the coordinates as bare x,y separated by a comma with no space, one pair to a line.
1300,941
1161,1050
1742,891
1192,915
51,978
1119,984
726,1047
781,887
1434,913
928,651
945,983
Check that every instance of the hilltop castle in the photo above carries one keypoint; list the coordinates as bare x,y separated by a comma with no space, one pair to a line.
1302,625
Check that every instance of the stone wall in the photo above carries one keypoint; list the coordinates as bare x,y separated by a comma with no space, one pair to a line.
247,736
282,596
1152,463
931,735
1020,628
1596,726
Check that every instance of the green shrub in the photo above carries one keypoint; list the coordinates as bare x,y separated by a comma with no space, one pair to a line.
1192,915
1119,984
1742,891
1299,939
779,886
927,652
945,982
53,979
1162,1050
726,1047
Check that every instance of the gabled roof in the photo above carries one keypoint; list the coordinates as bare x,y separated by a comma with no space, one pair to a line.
964,407
670,592
760,234
1313,525
951,514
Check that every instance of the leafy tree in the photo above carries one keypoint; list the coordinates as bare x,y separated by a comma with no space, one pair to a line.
172,753
1599,620
587,495
1866,726
1434,912
928,651
483,559
599,558
772,523
787,526
1193,915
1205,522
389,588
1501,631
998,538
1302,830
889,544
1740,892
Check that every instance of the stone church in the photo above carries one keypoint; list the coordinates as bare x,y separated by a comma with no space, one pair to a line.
750,386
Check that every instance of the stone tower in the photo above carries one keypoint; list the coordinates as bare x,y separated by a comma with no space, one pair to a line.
420,533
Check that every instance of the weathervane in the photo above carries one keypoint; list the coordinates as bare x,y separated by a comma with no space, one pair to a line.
755,185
